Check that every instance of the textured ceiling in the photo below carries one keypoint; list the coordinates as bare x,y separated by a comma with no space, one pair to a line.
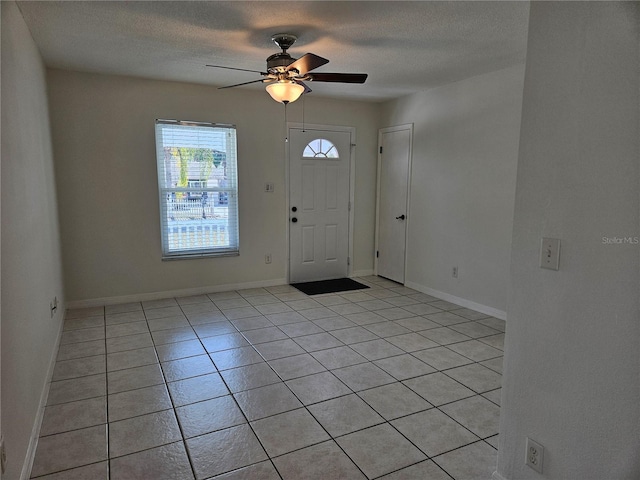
404,46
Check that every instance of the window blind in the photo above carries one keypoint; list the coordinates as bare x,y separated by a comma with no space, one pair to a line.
198,187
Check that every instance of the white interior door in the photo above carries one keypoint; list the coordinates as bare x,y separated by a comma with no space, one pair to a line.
319,168
393,195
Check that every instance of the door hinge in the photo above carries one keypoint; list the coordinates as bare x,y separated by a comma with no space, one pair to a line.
349,207
377,253
348,260
381,149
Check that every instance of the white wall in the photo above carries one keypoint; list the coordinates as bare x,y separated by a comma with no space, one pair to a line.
465,148
572,358
103,136
31,264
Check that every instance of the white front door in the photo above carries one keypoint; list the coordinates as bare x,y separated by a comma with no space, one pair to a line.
319,169
393,189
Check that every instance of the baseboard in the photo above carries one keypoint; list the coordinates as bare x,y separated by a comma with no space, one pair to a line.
362,273
185,292
35,431
478,307
497,476
142,297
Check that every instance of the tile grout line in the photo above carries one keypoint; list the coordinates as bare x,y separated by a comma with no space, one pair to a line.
306,408
327,432
443,370
331,438
307,352
231,394
183,439
106,392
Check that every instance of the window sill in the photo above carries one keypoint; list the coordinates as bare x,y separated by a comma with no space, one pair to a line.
196,256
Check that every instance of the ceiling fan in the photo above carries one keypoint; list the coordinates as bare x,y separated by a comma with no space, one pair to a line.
286,75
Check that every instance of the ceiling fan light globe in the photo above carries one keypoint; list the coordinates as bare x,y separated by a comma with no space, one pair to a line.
285,91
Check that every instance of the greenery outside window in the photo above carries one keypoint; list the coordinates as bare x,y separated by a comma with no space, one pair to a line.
198,187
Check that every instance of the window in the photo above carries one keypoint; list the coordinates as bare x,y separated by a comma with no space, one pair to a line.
198,185
320,147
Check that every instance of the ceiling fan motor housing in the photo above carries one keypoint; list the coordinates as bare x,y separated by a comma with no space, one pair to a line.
278,62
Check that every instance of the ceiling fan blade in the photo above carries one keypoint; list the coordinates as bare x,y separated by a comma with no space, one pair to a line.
262,80
339,77
306,63
239,69
306,87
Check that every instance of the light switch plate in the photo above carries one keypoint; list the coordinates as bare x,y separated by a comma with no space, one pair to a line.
550,253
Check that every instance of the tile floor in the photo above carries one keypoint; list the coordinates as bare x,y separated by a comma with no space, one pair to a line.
269,383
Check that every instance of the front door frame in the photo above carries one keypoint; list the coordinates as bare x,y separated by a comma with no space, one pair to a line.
352,180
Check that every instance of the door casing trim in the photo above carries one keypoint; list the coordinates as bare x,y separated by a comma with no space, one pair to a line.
352,183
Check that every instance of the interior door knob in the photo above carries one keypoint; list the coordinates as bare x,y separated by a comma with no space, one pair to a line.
294,219
401,217
294,209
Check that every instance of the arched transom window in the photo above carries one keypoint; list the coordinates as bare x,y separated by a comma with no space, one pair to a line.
320,148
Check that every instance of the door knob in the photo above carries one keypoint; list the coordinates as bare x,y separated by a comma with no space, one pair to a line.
294,209
294,219
401,217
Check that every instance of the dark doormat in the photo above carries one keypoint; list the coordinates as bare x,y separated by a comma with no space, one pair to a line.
328,286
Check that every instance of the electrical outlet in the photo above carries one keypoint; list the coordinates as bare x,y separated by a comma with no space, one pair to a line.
267,258
534,455
454,272
3,456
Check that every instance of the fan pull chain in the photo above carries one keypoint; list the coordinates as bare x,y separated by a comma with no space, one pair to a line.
303,96
286,133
